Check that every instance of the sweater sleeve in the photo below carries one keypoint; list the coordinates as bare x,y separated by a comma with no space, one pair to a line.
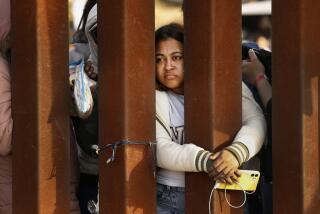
176,157
250,137
5,109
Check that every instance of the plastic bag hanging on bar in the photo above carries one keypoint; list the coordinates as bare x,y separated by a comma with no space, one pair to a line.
82,92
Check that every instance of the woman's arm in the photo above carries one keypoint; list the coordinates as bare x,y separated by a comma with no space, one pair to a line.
247,142
253,130
5,109
176,157
170,155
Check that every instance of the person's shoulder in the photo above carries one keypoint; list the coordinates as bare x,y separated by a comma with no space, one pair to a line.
162,100
246,91
161,94
245,87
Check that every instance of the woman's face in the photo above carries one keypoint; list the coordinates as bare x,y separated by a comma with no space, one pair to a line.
169,64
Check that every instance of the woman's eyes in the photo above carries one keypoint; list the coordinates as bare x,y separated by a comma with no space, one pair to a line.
159,59
176,57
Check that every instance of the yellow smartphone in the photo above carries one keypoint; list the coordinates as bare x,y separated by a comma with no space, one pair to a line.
248,181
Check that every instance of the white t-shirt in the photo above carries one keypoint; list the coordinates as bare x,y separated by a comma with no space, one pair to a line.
176,114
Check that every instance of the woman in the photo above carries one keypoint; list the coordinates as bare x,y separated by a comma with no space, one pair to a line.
173,156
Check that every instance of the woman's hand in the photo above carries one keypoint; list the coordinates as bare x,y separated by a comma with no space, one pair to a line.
252,68
224,167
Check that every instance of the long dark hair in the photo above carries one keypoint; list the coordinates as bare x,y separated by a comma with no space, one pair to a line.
171,31
79,36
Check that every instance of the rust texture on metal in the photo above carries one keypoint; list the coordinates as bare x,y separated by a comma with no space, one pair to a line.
212,90
127,110
296,160
40,106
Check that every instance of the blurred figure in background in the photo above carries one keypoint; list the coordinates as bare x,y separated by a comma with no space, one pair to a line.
86,129
257,73
6,121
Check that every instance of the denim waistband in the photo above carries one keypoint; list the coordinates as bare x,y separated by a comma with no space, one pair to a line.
172,188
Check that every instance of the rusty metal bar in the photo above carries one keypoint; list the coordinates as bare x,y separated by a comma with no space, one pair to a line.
212,89
296,160
127,112
40,106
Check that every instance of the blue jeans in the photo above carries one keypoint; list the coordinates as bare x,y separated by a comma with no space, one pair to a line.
170,200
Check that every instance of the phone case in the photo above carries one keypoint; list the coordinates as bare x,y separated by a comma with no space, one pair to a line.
248,181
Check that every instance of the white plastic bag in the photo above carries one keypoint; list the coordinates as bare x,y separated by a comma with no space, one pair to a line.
82,93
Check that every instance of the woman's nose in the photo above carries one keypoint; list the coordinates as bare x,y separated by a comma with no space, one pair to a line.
169,64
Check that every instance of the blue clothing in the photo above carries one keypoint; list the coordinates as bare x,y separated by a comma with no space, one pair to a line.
170,200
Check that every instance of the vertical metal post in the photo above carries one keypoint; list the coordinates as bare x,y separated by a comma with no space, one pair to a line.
127,112
212,89
296,160
40,106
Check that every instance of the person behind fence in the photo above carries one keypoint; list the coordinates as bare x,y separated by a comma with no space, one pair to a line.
86,127
254,73
174,155
6,122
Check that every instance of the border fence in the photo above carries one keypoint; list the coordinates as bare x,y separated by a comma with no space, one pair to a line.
41,153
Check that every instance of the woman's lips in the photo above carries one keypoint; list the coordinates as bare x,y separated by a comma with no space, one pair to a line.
170,77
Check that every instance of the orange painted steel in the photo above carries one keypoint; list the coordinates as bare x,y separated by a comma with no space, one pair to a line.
126,108
40,107
126,91
296,158
212,89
